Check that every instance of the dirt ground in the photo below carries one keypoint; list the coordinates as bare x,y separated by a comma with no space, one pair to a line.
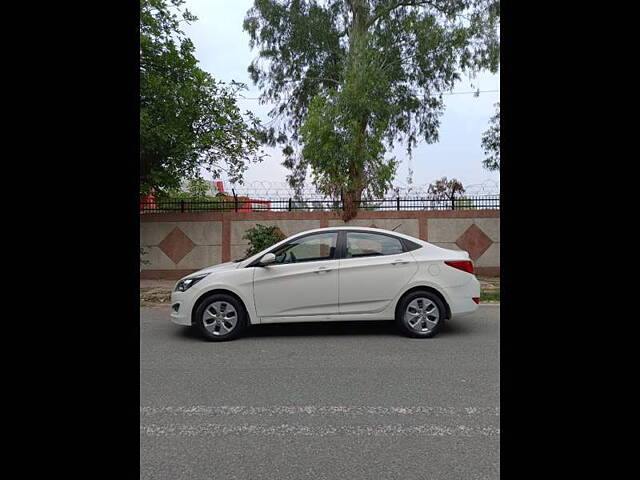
157,293
489,283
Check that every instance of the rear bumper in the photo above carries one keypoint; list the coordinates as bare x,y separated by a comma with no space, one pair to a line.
461,297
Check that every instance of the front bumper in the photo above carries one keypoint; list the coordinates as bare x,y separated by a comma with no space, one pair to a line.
183,302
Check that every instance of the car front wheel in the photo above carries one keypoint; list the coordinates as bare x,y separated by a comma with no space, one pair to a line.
420,314
220,317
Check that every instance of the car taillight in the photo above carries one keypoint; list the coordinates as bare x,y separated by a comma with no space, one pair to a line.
464,265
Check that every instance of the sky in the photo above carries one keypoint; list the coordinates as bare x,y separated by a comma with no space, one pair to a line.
222,48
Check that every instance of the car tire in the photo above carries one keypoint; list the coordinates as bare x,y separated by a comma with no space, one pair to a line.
416,315
220,317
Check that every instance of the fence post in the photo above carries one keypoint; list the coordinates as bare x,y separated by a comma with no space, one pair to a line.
182,206
398,203
289,203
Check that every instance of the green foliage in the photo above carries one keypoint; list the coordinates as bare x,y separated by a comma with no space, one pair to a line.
490,296
173,195
350,78
261,237
491,142
332,151
198,187
464,203
167,201
188,120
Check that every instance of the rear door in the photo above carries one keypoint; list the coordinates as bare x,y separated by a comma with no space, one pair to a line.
374,269
302,282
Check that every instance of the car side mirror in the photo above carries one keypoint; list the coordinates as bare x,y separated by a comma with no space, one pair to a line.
267,259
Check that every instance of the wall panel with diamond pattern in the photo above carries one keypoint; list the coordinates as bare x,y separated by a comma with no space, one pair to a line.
181,243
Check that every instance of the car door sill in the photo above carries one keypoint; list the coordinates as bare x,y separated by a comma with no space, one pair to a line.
346,317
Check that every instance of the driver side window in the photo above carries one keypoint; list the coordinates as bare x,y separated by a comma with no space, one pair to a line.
311,248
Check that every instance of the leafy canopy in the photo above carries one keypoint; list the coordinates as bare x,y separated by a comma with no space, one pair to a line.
444,188
350,78
491,142
188,120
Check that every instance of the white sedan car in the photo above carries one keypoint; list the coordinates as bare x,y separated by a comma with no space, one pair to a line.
331,274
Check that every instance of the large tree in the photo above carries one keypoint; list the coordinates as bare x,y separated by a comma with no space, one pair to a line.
491,142
188,120
349,78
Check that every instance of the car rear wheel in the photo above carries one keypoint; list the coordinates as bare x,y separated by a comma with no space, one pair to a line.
220,317
420,314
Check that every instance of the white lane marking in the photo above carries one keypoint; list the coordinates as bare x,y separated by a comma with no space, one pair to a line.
215,429
313,410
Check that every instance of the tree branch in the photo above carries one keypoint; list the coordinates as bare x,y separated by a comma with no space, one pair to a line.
404,3
323,79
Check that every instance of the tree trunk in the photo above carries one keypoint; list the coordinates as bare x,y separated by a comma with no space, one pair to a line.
357,45
351,201
356,185
146,161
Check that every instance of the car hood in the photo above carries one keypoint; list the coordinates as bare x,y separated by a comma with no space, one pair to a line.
221,267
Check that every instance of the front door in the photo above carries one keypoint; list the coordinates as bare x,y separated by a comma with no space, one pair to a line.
303,281
373,271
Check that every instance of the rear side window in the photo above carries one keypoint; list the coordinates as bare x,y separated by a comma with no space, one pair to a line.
410,246
371,244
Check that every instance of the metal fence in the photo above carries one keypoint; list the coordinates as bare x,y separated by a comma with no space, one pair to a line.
244,205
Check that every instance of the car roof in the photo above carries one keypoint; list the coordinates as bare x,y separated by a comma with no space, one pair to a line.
359,229
349,227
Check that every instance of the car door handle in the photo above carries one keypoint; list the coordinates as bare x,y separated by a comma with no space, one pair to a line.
399,262
323,269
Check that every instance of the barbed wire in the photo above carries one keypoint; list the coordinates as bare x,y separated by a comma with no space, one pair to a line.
265,189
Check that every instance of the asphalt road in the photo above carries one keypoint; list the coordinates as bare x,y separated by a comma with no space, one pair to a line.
320,401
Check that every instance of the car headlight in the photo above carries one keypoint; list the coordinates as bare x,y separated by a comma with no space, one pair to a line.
187,283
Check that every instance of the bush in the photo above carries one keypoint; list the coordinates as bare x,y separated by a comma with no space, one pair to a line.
170,202
261,237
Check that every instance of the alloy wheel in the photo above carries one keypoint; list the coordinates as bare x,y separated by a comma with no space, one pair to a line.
220,318
422,315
